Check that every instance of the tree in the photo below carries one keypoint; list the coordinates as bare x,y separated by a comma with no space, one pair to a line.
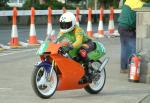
107,3
42,1
3,2
77,1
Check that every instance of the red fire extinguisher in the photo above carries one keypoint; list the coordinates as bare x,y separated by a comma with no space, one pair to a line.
134,74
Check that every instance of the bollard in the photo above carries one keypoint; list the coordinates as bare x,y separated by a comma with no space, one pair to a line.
89,25
49,25
100,27
111,26
32,36
14,42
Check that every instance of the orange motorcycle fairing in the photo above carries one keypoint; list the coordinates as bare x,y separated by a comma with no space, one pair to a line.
71,73
53,48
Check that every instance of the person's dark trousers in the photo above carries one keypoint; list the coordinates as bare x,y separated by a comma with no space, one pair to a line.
128,44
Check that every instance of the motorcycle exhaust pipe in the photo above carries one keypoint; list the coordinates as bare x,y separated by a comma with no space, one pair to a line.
103,64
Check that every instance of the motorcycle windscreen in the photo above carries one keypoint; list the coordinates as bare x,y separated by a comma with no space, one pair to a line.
43,47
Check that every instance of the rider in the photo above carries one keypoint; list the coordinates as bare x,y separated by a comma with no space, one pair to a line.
79,42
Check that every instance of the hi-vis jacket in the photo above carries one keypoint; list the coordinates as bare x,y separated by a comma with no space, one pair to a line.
127,17
133,4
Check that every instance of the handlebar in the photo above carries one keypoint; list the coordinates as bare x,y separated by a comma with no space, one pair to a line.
63,52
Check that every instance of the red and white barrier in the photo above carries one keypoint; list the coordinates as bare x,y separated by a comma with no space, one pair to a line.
89,25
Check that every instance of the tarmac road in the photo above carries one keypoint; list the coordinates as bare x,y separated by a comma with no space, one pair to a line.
16,66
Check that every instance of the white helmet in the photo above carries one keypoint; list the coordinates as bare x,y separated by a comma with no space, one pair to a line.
67,22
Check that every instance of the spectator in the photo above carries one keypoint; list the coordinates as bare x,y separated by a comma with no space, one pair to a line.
127,30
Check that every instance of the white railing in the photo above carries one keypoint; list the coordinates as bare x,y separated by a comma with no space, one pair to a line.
54,12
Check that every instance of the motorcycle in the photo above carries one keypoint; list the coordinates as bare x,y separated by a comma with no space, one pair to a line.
57,71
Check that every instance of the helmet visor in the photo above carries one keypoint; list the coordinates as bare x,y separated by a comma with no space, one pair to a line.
65,25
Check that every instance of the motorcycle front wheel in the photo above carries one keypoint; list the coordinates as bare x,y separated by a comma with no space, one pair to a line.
97,84
43,85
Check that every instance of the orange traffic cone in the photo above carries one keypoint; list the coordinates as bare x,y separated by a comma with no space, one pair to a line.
49,26
100,27
52,36
1,48
4,47
14,42
89,26
111,26
32,36
77,15
64,10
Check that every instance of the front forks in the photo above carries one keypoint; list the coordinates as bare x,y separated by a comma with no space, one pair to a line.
48,68
51,71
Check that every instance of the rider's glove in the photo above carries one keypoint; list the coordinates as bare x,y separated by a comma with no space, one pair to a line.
70,47
65,49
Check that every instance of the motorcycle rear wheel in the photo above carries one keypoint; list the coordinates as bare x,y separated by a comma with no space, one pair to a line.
43,86
97,85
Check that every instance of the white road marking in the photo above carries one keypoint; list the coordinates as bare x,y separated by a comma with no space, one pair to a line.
6,54
5,88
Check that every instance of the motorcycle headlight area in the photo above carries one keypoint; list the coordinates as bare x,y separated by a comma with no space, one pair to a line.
47,56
